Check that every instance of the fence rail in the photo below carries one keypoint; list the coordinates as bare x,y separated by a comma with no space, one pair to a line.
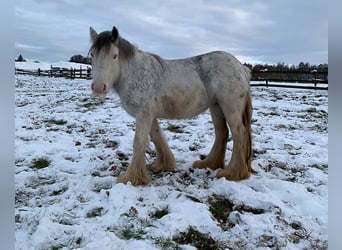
58,72
308,85
300,80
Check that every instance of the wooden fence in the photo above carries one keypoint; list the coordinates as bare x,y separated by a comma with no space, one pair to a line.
316,85
300,80
71,73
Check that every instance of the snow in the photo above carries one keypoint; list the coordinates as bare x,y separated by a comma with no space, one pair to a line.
75,203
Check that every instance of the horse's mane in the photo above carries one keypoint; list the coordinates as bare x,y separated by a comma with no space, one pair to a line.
105,39
127,50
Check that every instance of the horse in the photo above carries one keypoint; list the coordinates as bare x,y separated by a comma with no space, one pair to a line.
151,88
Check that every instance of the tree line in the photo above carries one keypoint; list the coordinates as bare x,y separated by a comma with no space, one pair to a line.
280,67
304,72
283,67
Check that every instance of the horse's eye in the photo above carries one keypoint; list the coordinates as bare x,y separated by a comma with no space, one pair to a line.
115,56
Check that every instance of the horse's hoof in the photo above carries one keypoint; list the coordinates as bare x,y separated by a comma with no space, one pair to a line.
134,180
158,166
233,174
205,164
199,164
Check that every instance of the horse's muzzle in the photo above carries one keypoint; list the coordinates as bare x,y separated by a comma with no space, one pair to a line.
99,89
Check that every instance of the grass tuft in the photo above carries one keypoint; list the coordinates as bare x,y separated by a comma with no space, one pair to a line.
56,122
159,213
40,163
175,129
197,239
220,208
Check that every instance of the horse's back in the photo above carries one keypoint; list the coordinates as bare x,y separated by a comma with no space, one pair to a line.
222,64
222,74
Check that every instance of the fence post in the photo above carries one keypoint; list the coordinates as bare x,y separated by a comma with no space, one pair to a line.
38,71
80,71
88,72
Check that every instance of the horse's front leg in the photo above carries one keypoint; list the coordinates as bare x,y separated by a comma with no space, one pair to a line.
136,172
165,160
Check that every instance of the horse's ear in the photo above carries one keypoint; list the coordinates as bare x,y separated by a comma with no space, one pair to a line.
115,33
93,34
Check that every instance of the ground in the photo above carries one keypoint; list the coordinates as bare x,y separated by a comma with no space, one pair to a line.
69,150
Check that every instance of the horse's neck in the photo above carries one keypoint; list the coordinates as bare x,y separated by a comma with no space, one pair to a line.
131,70
140,68
139,63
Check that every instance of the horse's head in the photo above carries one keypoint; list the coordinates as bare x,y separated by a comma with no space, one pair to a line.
105,60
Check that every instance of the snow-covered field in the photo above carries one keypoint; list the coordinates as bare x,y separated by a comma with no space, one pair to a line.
70,148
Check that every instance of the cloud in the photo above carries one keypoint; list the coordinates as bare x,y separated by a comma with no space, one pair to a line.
28,47
272,31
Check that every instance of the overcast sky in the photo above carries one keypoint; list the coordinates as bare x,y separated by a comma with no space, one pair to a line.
274,31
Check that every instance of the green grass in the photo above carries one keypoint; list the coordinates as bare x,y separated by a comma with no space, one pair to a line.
159,213
175,129
166,244
56,122
40,163
220,208
95,212
197,239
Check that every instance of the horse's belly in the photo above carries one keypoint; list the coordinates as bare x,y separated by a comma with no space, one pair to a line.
183,102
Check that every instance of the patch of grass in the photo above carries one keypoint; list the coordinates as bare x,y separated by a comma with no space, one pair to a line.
270,241
159,213
95,212
249,209
323,167
58,247
122,156
111,144
175,129
220,208
197,239
101,131
89,103
130,233
166,244
40,163
311,110
194,147
131,226
56,122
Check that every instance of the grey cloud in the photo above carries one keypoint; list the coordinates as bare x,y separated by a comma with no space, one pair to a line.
274,31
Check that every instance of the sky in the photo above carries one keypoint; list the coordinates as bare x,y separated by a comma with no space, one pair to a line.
254,31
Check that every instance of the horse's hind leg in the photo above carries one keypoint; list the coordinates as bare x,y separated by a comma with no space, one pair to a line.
165,160
215,158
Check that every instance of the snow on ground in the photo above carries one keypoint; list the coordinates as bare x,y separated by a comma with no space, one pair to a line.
70,148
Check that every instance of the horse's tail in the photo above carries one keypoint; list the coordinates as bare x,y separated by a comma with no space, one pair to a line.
247,121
